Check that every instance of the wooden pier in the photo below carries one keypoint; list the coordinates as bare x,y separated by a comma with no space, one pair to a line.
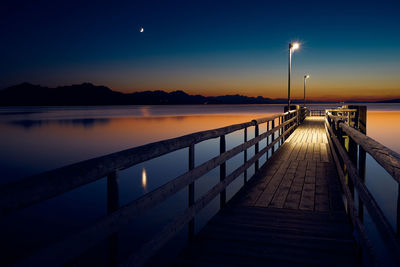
291,213
305,206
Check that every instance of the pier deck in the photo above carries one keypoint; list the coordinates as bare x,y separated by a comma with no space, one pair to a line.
290,213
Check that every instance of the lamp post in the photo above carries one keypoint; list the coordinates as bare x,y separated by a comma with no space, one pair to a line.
292,47
305,78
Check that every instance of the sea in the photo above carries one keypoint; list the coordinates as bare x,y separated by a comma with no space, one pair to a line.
38,139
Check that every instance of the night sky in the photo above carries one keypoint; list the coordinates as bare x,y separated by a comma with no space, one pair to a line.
350,48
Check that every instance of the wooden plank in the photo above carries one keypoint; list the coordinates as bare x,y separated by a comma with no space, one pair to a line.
294,196
267,195
279,198
310,151
307,197
324,152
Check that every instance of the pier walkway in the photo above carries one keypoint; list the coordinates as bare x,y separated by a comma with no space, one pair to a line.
290,213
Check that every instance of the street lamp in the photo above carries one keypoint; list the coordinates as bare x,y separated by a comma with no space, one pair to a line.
305,78
292,47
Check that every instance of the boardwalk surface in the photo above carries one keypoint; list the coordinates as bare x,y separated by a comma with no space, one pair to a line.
290,214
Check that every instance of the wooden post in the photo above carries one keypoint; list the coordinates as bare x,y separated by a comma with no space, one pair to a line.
191,229
222,171
279,131
398,212
361,172
352,152
245,156
360,122
273,137
113,205
256,147
267,153
282,139
362,119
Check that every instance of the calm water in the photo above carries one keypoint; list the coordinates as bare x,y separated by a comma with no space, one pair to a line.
33,140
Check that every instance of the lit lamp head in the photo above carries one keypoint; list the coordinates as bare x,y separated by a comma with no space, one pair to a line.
294,46
306,76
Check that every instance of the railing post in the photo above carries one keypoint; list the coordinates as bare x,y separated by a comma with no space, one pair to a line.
222,171
282,139
398,212
267,153
361,172
352,152
273,137
113,205
191,193
245,155
256,146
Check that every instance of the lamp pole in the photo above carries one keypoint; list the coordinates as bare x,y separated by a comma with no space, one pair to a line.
305,78
292,47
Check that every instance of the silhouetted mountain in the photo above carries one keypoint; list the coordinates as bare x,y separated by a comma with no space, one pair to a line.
87,94
27,94
391,101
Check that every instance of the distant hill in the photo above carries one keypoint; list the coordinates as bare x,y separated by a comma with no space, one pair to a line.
27,94
87,94
391,101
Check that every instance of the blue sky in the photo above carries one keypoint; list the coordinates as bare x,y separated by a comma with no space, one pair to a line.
205,47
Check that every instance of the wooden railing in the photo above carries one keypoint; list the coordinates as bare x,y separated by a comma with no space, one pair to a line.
347,115
317,112
36,189
349,152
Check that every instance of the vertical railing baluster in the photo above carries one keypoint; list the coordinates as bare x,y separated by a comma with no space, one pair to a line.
113,205
222,171
361,172
191,229
273,137
245,155
267,153
398,211
282,120
256,146
283,129
352,152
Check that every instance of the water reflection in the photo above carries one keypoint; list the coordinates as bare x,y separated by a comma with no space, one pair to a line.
86,123
144,180
145,111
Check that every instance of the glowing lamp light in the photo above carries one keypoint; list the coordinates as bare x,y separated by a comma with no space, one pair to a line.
295,46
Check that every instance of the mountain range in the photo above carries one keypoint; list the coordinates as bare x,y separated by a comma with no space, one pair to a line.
85,94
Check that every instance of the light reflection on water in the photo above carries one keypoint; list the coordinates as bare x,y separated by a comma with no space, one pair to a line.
144,180
33,140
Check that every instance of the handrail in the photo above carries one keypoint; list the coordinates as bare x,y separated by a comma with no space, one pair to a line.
75,245
351,205
341,110
387,158
24,193
377,215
